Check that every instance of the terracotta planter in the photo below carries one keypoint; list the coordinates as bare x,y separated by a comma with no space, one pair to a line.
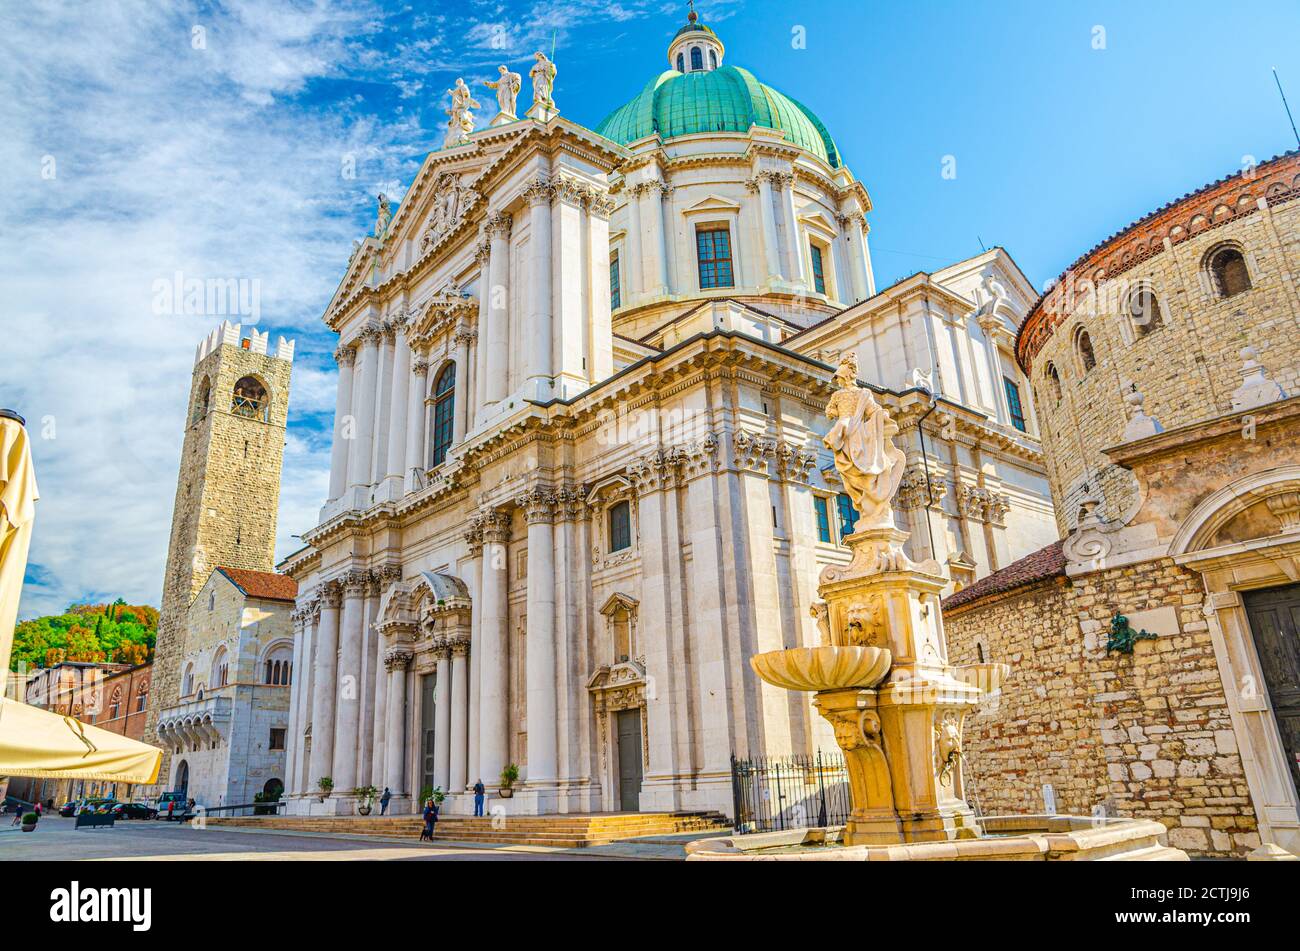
507,792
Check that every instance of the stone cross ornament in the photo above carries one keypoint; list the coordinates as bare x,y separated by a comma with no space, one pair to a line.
862,439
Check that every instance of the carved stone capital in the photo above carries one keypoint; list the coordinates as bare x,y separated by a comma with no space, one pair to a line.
795,462
498,226
752,452
331,594
539,191
397,658
356,582
538,505
495,526
345,356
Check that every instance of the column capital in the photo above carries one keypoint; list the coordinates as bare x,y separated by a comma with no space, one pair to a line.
495,526
459,646
397,658
700,457
538,505
482,251
474,535
794,462
752,452
498,226
539,191
331,593
356,582
420,367
600,203
345,355
464,337
569,190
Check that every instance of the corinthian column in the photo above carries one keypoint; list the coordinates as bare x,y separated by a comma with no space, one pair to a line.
492,697
347,704
539,510
323,686
363,410
537,338
383,404
464,337
415,420
457,778
395,474
442,719
652,213
793,243
344,356
483,255
396,661
767,211
498,344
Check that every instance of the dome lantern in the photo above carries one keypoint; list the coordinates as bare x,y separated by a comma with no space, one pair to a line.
695,48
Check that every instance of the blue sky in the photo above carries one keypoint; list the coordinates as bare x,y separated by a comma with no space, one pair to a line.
247,140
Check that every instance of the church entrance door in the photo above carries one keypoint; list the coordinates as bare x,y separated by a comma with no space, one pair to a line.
1275,622
628,724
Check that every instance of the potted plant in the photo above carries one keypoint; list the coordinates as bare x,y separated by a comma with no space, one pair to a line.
29,822
326,786
509,776
365,796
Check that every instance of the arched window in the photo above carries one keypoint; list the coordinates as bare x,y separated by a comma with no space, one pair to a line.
1083,345
277,668
115,704
1228,272
681,63
713,58
697,58
187,682
250,399
444,409
220,669
1053,380
203,401
142,697
1144,311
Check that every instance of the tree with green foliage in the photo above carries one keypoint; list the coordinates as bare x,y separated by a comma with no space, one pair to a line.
121,632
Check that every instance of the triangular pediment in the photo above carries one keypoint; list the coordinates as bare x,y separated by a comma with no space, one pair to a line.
713,203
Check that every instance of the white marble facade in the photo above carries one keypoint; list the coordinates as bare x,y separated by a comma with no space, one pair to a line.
557,529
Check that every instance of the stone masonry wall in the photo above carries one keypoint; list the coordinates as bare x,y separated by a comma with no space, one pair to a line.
1145,735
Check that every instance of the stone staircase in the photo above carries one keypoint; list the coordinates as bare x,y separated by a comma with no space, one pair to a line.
572,831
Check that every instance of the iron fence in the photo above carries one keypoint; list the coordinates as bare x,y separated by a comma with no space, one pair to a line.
789,792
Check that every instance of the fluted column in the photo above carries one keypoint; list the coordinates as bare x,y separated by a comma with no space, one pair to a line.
345,357
457,773
324,682
539,510
415,419
460,417
474,545
348,702
442,720
396,660
492,696
771,249
399,399
498,354
537,336
372,664
483,255
386,348
363,409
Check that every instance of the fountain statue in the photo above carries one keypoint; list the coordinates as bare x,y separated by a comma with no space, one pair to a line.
881,677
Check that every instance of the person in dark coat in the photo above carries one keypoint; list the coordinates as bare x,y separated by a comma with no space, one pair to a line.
383,801
430,820
478,798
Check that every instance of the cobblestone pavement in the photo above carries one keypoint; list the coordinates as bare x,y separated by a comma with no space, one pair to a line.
55,839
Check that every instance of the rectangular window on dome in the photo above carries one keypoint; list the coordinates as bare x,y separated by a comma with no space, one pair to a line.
818,272
615,294
713,249
822,510
1014,405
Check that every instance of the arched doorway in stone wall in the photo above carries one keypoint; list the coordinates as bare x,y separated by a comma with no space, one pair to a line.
182,784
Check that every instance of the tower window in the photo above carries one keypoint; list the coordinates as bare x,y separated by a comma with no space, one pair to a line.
620,526
250,399
1054,379
1083,344
444,408
818,272
1228,273
681,63
713,249
276,740
1013,404
615,292
697,58
713,58
1144,310
822,511
204,400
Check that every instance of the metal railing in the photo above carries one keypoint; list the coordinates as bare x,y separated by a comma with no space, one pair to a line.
771,794
242,809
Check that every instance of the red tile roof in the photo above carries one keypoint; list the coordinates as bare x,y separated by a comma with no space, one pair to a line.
1045,563
262,584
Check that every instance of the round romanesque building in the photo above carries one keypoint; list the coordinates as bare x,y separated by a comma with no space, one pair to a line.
1164,309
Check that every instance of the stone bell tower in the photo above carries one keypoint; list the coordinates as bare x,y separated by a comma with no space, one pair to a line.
228,489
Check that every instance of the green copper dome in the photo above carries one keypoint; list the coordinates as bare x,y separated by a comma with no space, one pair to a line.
726,99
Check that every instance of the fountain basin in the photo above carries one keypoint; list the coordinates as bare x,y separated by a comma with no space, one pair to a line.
823,668
1003,838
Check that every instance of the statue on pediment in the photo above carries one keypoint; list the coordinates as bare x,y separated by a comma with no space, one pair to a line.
383,216
460,121
543,76
507,89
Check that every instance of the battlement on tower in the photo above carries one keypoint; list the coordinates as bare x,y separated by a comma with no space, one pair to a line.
229,334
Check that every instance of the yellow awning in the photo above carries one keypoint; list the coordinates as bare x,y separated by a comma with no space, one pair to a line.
36,742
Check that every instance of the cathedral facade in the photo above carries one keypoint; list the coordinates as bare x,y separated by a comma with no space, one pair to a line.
577,476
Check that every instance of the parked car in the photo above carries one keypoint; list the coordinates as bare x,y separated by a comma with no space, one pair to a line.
69,808
134,810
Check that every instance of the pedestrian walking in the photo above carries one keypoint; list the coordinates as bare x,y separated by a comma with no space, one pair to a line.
430,820
478,798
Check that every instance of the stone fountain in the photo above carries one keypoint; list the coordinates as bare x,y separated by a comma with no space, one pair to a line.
881,677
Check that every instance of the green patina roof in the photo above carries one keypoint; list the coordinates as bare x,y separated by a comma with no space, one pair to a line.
726,99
